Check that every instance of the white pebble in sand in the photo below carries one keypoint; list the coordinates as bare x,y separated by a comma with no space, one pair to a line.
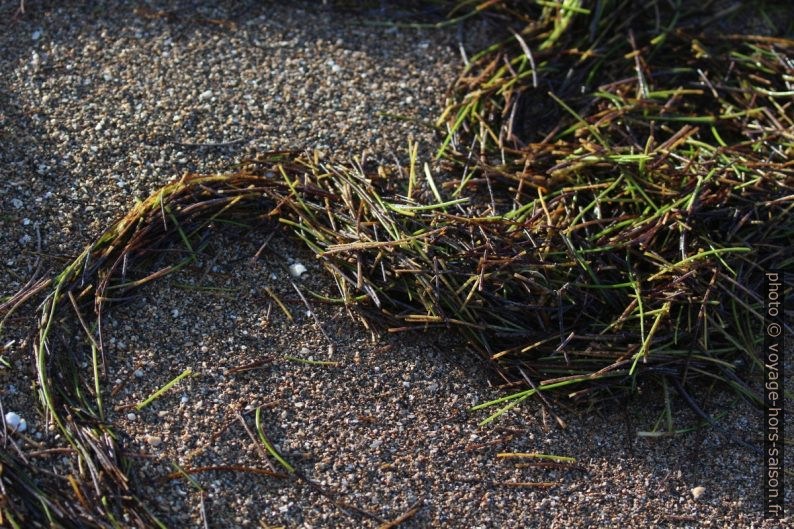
297,269
138,373
15,422
334,67
203,96
131,416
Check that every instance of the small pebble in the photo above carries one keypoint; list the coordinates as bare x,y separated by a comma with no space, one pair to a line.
138,373
15,422
131,416
36,35
154,440
203,96
175,313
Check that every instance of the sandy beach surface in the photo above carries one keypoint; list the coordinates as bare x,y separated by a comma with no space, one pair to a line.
100,103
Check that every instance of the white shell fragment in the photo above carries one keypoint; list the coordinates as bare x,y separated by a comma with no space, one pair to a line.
697,492
15,422
297,269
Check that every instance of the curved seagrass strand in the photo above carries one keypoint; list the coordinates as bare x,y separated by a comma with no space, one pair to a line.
86,280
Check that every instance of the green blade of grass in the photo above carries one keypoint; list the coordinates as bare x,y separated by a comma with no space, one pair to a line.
269,447
157,394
